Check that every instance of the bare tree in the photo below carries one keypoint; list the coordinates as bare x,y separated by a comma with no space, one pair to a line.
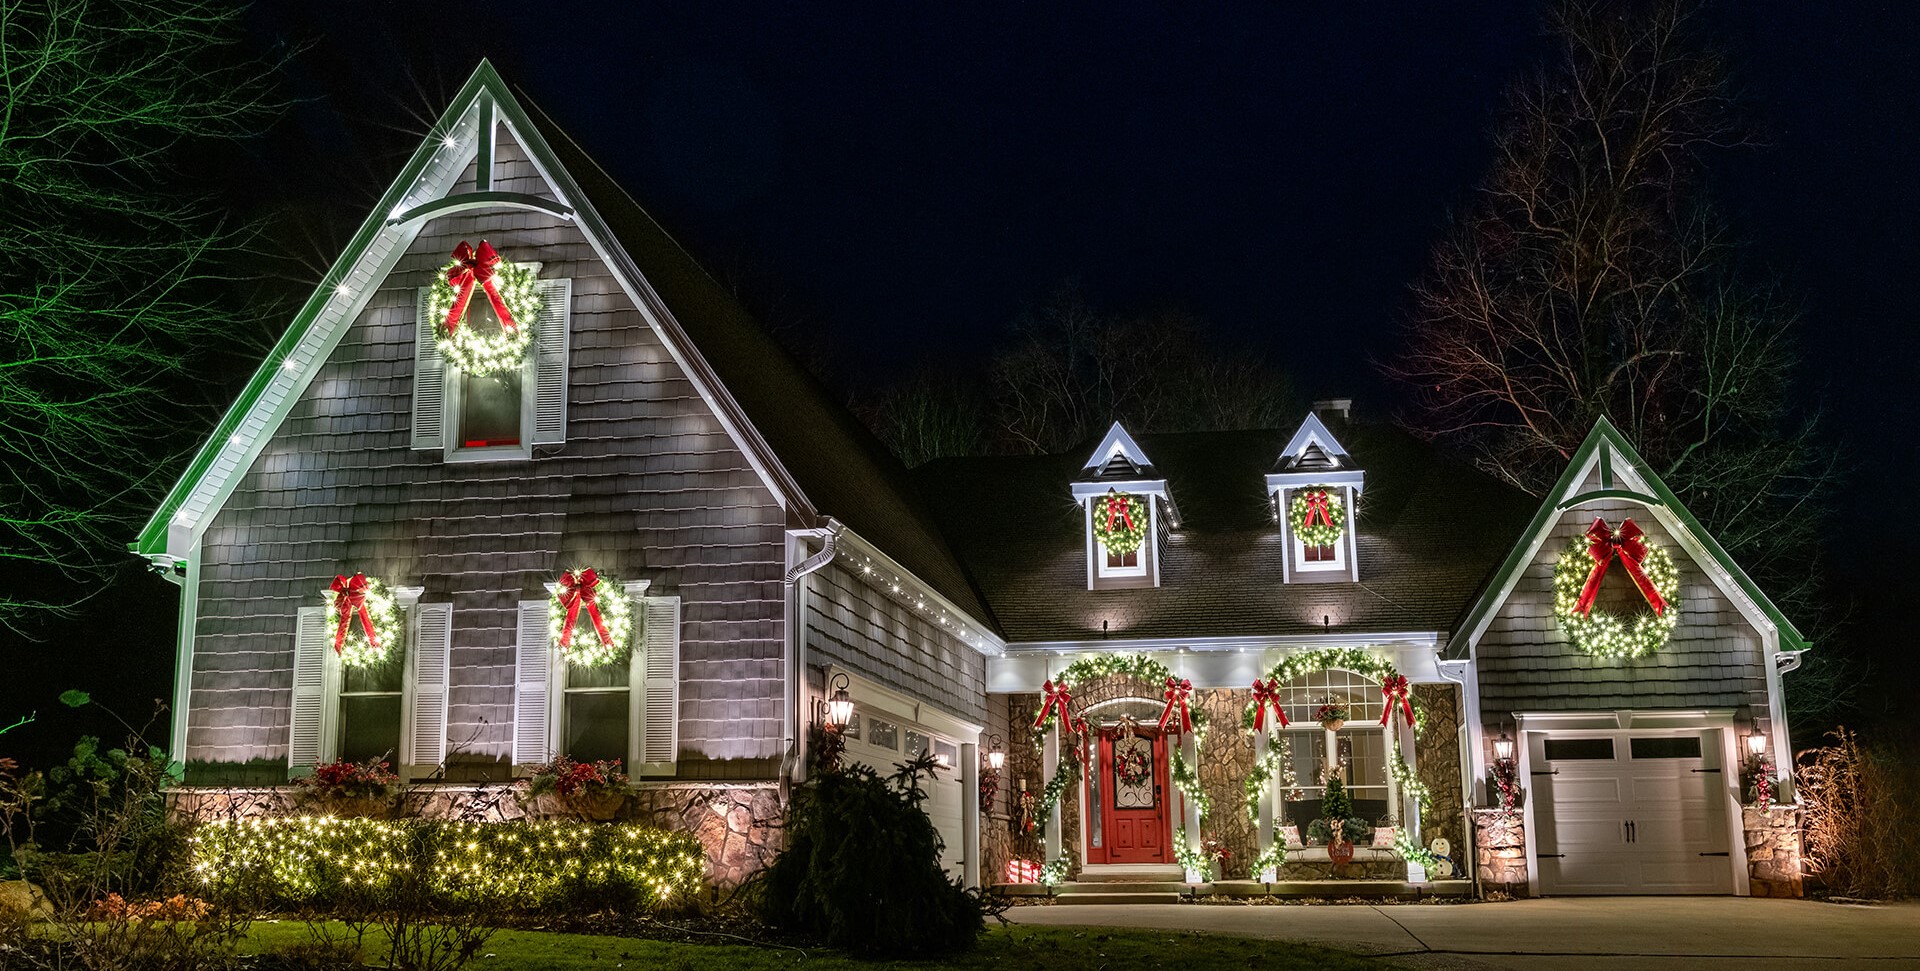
109,279
1589,277
933,414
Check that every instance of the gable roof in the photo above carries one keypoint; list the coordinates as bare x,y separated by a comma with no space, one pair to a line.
1430,531
813,453
1608,456
1311,447
1117,456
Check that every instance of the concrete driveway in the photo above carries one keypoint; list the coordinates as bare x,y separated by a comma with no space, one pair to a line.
1611,933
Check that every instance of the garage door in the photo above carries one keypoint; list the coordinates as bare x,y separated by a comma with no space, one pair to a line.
883,741
1630,813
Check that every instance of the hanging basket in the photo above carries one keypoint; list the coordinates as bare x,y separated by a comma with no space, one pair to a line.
1334,724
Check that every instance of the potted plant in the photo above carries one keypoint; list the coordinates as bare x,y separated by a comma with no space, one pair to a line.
1332,715
343,788
594,791
1336,825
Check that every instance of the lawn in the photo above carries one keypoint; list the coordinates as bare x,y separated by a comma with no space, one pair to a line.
1049,948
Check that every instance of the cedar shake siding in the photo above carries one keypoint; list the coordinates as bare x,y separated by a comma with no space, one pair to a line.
851,624
1714,660
648,486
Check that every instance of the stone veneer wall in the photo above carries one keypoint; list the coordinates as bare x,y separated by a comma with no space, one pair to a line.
1773,851
1023,765
1226,759
1500,851
1436,762
740,825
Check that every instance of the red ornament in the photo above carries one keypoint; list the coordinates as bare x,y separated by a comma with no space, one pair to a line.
473,268
1266,694
1605,544
1177,692
581,590
1317,508
1055,697
1394,689
350,598
1118,510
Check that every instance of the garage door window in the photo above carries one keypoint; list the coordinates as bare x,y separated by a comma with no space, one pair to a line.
883,734
1684,747
1578,749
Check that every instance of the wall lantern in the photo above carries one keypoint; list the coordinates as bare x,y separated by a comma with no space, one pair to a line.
1503,747
1757,743
996,756
839,704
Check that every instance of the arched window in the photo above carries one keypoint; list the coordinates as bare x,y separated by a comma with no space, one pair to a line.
1357,752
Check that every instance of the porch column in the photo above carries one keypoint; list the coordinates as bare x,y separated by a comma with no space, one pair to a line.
1189,805
1050,765
1410,816
971,856
1261,745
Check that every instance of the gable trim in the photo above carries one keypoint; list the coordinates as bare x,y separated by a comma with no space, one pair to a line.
1313,431
463,201
1117,440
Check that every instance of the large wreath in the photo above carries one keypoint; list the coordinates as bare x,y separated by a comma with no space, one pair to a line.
1120,522
1576,579
363,622
483,276
590,619
1317,515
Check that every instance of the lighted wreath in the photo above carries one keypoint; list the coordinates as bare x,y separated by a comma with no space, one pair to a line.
1576,581
512,290
590,619
1318,518
1120,522
363,621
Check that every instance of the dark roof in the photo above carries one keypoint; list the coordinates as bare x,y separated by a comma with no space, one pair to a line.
1431,531
839,466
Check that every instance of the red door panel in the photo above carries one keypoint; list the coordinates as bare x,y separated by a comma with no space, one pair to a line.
1133,814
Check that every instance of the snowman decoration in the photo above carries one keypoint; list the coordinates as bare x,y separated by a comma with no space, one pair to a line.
1442,867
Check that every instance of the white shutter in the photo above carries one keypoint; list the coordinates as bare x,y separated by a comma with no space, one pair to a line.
550,362
660,658
531,676
429,382
307,731
432,643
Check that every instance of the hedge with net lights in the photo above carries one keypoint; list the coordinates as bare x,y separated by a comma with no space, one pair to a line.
326,861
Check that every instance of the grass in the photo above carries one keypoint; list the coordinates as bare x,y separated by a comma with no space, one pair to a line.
1050,948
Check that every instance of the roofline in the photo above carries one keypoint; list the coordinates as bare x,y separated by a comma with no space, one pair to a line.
1227,643
982,637
1557,500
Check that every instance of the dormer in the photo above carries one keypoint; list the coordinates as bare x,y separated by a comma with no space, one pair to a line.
1315,489
1124,507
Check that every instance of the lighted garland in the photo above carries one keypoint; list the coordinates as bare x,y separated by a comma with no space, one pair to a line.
590,618
502,349
1294,666
1140,666
1269,858
1412,852
1317,516
357,607
1119,522
1409,784
1606,635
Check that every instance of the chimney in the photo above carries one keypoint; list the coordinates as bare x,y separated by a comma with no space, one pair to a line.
1340,408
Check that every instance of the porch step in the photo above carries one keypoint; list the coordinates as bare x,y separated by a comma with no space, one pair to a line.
1117,898
1130,873
1113,887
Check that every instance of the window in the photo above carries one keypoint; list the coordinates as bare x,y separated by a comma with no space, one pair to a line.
916,744
883,734
629,712
1318,554
1129,568
1330,557
596,711
500,416
394,711
1683,747
1356,754
1577,749
371,698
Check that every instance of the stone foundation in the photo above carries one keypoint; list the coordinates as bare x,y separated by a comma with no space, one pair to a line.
739,824
1500,852
1773,851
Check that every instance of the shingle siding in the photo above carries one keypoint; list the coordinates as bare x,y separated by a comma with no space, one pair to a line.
851,624
648,486
1525,663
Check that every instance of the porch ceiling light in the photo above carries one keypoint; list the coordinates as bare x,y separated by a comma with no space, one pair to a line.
840,705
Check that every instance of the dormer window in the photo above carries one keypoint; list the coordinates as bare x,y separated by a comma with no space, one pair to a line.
1122,526
1124,504
1317,521
1315,490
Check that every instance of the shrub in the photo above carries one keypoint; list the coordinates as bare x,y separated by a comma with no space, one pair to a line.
541,865
372,779
1859,820
566,777
861,871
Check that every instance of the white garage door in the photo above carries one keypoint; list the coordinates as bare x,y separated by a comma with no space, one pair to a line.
1630,813
884,741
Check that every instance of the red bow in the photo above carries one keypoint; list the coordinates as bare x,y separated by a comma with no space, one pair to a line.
1118,509
1317,507
350,597
1267,693
1603,544
1055,697
470,268
577,590
1394,689
1177,691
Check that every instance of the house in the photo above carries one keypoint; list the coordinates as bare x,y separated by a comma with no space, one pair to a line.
522,481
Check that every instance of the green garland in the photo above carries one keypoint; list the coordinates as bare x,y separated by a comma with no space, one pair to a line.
1262,774
1318,534
1139,666
1293,666
498,350
1191,858
1054,872
1404,778
1269,859
1605,635
1412,852
1119,538
1069,775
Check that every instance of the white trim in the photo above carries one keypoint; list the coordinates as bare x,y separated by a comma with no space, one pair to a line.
905,707
1082,491
1313,431
1024,671
183,655
883,574
1117,442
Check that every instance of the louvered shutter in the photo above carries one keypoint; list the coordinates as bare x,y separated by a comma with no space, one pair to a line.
532,673
307,730
660,658
432,643
429,382
551,341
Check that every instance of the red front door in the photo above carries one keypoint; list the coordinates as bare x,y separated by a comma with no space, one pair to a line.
1132,793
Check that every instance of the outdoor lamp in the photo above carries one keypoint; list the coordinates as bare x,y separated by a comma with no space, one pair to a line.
1503,747
1757,743
996,756
840,705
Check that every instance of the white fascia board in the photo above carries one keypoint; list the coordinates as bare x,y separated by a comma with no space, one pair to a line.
1021,671
1082,491
1424,639
1313,431
1623,720
885,575
1355,478
1117,440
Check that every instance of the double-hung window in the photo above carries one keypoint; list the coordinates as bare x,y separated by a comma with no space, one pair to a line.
499,416
394,711
627,710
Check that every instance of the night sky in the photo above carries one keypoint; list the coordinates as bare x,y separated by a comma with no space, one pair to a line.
900,181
